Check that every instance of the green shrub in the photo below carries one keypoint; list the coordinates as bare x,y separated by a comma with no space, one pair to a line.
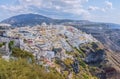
86,76
11,44
1,44
82,64
80,52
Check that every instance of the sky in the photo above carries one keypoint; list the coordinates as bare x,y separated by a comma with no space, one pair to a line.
93,10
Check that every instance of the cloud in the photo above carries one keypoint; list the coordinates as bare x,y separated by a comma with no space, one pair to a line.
11,8
103,9
49,8
92,8
73,7
95,8
65,6
109,4
14,7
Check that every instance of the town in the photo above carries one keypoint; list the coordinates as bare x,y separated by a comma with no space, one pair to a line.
44,40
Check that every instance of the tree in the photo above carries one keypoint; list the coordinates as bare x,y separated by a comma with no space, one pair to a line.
11,44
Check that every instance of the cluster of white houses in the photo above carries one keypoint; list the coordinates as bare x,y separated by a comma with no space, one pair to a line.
46,41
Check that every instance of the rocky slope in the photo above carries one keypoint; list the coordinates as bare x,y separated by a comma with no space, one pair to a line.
77,54
106,34
102,60
55,46
108,64
109,37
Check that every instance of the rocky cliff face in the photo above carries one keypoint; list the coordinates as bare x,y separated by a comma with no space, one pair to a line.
102,62
107,34
95,58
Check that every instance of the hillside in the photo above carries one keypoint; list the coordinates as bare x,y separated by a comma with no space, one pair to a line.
73,53
107,34
27,19
55,48
36,19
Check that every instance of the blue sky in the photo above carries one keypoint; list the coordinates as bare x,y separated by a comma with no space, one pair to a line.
93,10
